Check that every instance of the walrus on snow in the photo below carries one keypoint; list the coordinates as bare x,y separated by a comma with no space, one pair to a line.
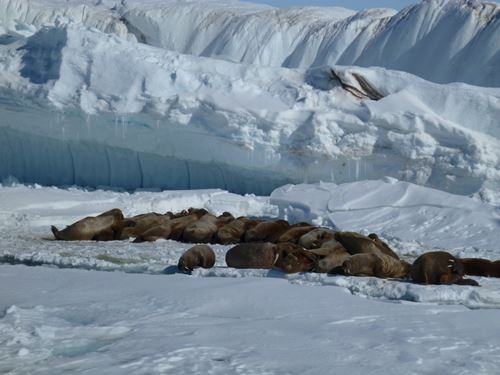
267,231
295,232
481,267
439,267
233,231
375,264
86,228
356,243
172,229
316,237
201,230
136,225
262,255
293,258
331,255
195,257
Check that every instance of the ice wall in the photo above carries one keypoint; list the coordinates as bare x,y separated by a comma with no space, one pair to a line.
132,115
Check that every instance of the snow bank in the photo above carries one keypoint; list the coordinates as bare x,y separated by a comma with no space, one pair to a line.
171,121
440,40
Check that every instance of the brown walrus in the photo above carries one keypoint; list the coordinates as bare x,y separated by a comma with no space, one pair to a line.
201,230
267,231
356,243
196,256
331,255
293,258
136,225
233,231
375,264
383,246
86,228
262,255
295,232
172,229
481,267
316,237
439,267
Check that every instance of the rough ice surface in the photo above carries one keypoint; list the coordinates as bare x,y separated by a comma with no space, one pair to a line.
64,314
173,121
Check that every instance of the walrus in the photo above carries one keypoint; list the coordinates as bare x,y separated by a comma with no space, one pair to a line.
86,228
356,243
267,231
263,255
195,257
331,255
201,230
295,232
439,267
293,258
383,245
172,229
233,231
316,237
481,267
136,225
375,264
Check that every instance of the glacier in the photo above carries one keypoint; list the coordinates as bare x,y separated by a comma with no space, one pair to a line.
440,40
85,101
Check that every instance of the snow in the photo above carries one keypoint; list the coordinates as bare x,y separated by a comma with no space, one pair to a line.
144,318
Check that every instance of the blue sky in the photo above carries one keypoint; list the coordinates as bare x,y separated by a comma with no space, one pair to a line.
351,4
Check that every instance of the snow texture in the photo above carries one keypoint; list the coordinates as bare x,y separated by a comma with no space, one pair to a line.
144,318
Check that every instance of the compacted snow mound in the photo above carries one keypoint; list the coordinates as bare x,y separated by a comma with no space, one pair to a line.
172,121
440,40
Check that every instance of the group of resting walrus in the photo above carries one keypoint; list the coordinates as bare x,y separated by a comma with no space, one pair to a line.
277,244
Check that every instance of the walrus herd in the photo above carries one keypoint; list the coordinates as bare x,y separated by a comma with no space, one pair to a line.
277,244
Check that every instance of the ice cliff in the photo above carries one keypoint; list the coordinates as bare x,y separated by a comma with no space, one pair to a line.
93,94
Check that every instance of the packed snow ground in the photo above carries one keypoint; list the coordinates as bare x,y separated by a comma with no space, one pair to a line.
144,318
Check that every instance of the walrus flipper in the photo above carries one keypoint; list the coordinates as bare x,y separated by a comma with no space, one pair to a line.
55,232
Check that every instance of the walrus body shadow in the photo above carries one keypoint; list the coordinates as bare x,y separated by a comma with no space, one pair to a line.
195,257
439,267
87,228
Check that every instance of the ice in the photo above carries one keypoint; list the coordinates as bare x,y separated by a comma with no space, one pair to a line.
242,128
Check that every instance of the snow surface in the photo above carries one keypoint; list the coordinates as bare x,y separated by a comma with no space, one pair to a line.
172,121
70,316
